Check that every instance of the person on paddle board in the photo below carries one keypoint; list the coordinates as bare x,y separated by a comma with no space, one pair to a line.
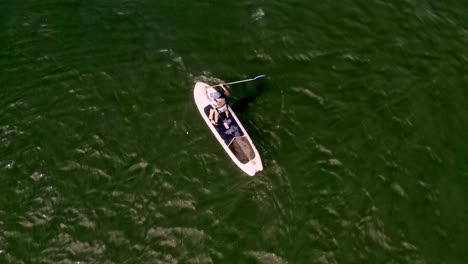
219,104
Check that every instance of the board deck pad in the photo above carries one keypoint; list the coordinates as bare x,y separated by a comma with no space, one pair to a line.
242,149
226,134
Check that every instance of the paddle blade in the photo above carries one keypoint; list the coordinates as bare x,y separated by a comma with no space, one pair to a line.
260,76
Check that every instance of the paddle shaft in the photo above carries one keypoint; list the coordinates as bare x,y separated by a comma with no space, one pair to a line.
226,125
241,81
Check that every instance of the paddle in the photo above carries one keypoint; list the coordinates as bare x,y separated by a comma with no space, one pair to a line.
226,125
241,81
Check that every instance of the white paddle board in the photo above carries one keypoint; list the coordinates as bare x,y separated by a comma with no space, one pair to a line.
234,138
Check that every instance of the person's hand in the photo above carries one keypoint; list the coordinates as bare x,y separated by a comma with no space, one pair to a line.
225,88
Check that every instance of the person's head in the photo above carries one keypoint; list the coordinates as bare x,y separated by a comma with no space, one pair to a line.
215,95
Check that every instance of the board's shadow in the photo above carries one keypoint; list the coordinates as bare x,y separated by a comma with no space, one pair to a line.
241,103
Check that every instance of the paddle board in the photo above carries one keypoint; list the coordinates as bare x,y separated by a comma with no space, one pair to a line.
234,138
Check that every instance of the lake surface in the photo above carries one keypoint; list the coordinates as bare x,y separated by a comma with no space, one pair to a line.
361,124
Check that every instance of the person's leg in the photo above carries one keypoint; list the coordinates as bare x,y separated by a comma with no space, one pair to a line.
216,116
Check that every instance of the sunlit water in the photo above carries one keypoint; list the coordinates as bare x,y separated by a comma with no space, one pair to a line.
361,125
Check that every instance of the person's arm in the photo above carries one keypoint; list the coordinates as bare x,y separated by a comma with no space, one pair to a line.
225,88
211,116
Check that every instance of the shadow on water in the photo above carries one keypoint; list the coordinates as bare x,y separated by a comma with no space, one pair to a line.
241,102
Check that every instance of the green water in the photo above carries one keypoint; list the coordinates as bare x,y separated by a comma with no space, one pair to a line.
361,125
